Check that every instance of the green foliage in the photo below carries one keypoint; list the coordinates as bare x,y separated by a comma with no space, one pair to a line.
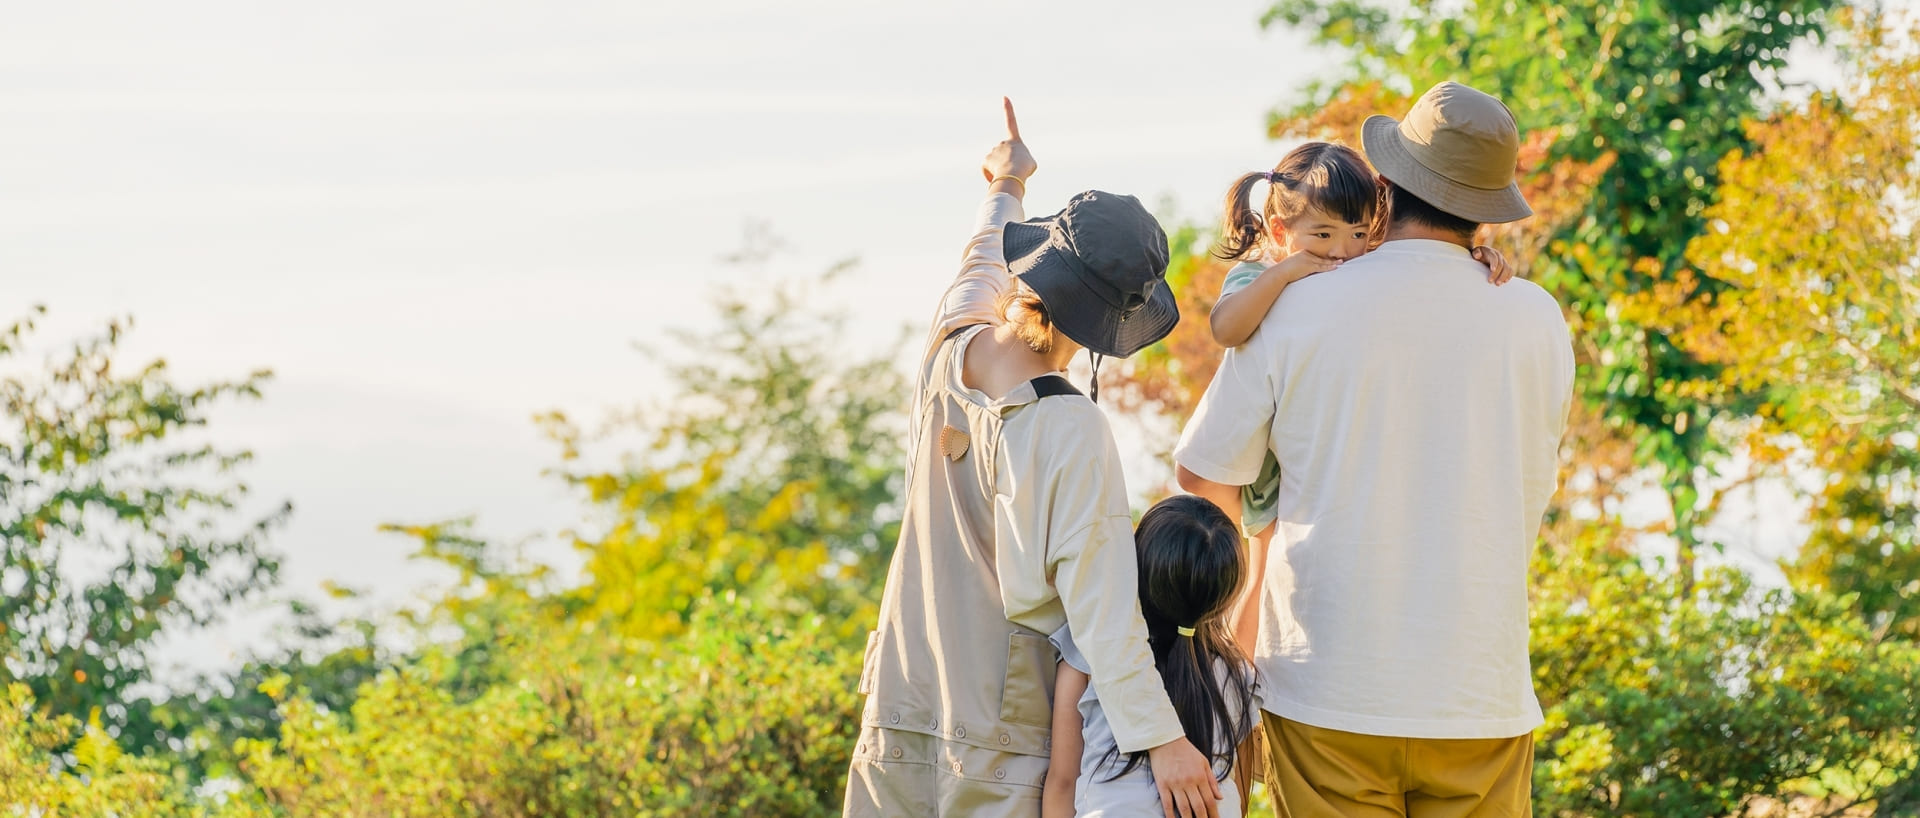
327,660
1866,535
114,528
96,779
1820,311
745,713
1664,704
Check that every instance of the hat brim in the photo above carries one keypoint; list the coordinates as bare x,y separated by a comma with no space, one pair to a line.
1074,307
1389,155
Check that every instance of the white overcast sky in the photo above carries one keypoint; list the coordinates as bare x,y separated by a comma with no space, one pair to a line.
433,219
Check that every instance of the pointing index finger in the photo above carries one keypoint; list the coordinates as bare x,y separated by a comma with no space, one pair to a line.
1013,127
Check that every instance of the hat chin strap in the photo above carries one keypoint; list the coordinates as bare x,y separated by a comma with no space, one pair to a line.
1093,359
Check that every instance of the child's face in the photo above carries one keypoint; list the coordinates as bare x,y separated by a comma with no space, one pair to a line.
1322,234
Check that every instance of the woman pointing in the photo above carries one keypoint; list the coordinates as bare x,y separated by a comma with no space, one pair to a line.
1016,516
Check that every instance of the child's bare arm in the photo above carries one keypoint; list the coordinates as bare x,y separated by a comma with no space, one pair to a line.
1237,315
1246,616
1063,769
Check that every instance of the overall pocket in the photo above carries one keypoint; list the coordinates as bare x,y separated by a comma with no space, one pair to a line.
1026,697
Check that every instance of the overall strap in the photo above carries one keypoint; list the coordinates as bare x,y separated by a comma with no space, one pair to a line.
1047,386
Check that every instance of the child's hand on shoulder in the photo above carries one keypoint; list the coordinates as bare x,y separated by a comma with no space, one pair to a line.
1301,264
1498,271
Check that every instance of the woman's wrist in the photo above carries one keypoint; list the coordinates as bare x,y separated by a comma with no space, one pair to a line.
1009,184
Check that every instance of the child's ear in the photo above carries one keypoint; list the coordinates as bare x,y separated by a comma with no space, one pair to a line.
1277,232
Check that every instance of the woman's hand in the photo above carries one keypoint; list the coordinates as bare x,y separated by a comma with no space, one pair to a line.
1010,157
1187,786
1498,271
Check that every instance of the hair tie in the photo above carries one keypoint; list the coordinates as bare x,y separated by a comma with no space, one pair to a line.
1271,177
1185,631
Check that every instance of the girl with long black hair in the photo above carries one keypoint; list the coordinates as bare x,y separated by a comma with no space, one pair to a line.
1191,567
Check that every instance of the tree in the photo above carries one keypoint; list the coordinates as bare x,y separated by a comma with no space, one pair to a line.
1819,311
116,524
774,474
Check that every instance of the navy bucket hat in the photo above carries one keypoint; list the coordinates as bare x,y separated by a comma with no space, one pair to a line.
1100,266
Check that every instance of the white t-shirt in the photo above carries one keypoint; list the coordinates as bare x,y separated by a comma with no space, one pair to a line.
1416,411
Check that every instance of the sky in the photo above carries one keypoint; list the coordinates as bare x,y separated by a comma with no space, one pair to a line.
432,220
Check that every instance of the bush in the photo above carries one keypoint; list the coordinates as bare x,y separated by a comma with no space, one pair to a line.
743,714
1664,704
95,779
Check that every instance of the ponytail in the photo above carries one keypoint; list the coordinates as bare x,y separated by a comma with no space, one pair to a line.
1216,709
1241,227
1191,570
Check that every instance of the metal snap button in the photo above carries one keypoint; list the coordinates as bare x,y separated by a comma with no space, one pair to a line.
999,773
959,732
1005,740
896,752
895,718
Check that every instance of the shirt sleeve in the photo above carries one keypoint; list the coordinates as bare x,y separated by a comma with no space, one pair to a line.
1064,540
1239,277
1227,438
1062,640
974,296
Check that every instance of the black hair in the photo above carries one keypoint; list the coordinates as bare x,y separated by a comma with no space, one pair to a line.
1326,176
1191,570
1403,206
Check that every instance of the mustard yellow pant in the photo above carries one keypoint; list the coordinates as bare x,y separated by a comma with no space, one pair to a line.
1314,772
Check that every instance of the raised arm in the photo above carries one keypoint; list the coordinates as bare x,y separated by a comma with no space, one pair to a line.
975,293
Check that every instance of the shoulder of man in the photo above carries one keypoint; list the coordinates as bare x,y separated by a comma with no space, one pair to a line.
1539,298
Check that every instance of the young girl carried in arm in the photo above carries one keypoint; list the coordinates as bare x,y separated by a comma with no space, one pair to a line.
1323,207
1191,569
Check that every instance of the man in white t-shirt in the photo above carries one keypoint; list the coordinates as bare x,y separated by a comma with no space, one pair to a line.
1416,414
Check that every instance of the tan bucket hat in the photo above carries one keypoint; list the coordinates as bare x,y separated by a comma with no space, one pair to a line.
1456,150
